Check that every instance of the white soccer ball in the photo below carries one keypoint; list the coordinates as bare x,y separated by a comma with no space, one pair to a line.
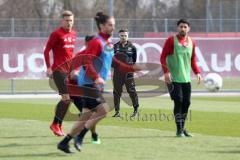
213,82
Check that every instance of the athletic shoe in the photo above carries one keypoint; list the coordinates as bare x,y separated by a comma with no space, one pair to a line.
117,114
98,141
78,143
180,134
95,139
61,129
64,148
187,134
56,129
135,112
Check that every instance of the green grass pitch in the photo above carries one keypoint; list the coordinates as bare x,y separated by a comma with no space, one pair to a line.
36,85
214,121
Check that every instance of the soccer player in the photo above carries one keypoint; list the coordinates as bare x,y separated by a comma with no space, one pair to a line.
62,43
177,58
126,52
98,48
78,100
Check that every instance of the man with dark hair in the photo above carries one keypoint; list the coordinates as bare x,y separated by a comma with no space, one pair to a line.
126,52
77,99
92,76
177,58
88,38
62,43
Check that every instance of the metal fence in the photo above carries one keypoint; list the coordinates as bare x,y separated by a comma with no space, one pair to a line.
138,27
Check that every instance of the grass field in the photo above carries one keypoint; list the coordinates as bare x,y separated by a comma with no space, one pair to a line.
36,86
214,121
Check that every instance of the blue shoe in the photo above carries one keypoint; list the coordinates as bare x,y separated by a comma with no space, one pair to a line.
78,143
64,148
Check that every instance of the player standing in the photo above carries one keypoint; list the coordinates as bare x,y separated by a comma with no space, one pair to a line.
177,59
62,44
126,52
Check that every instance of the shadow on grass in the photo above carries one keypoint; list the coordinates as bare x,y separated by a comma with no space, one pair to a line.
54,154
24,136
24,145
11,145
137,137
227,152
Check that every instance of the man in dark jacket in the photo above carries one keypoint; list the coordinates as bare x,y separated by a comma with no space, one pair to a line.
126,52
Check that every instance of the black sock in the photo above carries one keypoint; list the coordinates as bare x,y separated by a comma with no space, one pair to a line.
186,105
56,120
178,114
95,136
179,125
183,122
82,133
66,139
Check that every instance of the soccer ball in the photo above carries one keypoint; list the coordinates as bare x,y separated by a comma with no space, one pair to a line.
213,82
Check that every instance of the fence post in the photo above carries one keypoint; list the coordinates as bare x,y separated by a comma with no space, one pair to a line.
165,27
12,27
13,87
92,26
207,15
236,16
220,16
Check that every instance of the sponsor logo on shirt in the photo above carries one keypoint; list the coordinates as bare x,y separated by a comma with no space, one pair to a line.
69,39
69,46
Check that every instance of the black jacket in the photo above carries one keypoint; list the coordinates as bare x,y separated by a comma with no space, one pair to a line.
127,53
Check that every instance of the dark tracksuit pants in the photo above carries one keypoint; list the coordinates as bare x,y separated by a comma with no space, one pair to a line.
181,94
118,81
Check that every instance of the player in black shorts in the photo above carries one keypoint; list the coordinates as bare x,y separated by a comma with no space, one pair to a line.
92,78
79,101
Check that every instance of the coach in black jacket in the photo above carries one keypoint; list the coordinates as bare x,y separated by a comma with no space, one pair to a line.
126,52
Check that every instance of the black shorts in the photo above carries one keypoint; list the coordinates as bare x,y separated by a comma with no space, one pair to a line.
78,102
60,80
180,91
90,102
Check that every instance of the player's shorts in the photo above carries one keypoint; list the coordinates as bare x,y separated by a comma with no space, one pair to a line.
60,80
78,102
179,91
92,102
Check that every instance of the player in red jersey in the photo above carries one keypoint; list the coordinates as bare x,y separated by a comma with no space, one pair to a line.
62,43
177,58
92,76
77,99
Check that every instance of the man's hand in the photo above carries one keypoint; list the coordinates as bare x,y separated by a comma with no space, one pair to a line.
167,78
99,81
139,67
199,78
74,74
49,73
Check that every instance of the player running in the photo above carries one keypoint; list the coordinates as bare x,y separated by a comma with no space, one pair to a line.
77,99
92,76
